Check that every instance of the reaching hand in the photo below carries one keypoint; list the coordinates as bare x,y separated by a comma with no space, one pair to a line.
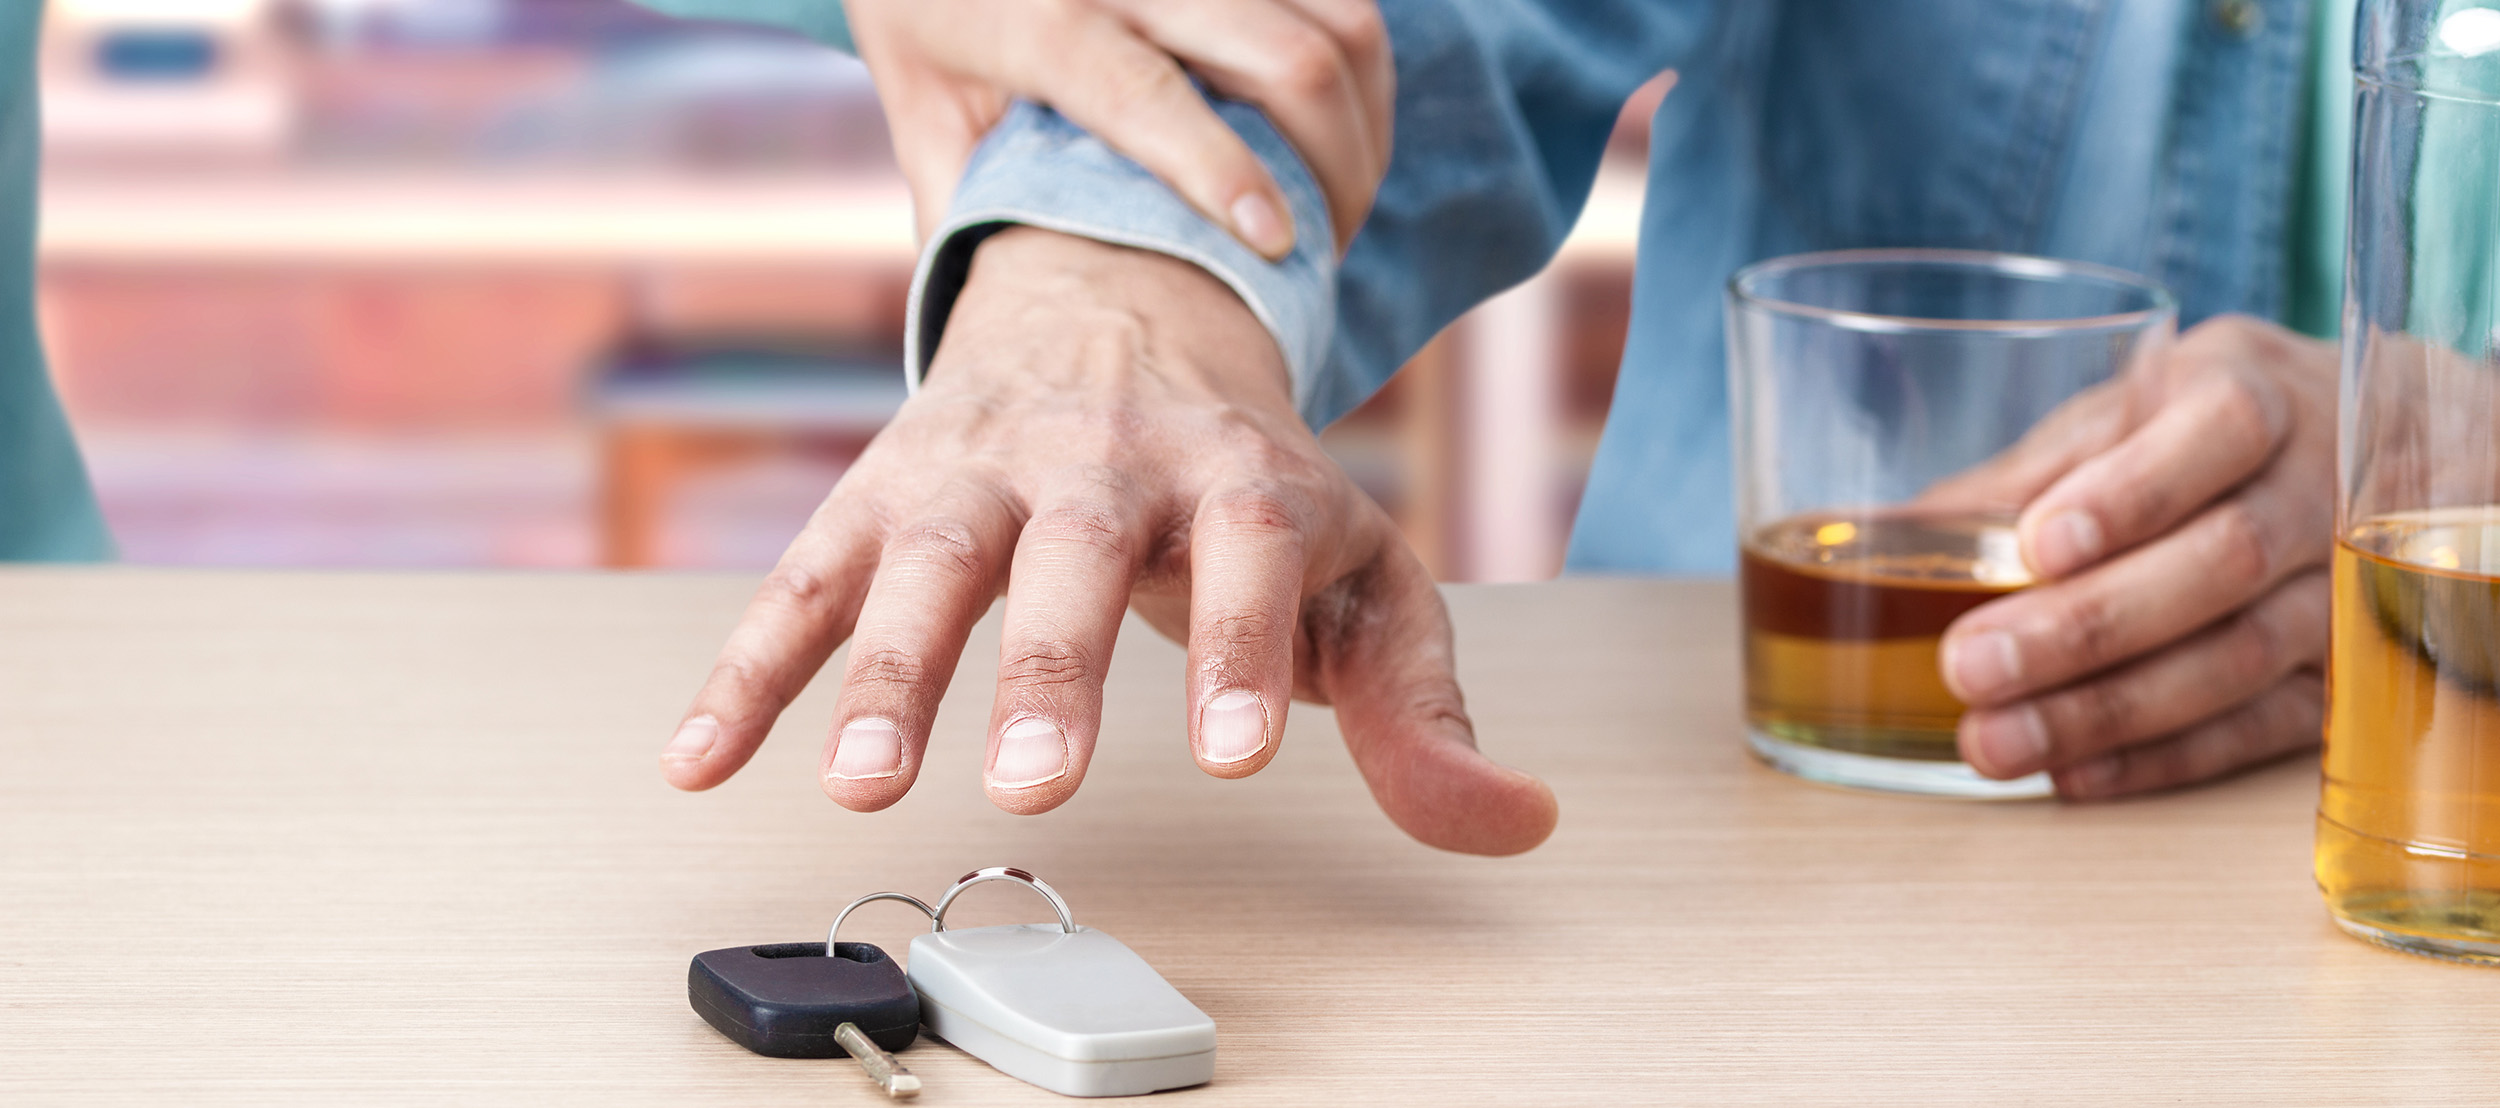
1101,427
2180,517
947,69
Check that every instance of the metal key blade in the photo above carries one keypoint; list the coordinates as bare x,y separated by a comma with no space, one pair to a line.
881,1066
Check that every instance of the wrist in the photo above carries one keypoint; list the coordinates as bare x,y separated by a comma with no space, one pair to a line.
1182,320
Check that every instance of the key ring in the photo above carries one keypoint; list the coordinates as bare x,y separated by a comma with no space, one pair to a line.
937,918
906,898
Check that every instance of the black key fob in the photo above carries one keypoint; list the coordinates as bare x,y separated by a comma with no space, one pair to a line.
784,999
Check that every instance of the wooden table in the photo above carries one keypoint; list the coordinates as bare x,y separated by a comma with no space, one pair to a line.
399,839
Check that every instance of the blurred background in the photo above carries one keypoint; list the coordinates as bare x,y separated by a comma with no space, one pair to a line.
550,283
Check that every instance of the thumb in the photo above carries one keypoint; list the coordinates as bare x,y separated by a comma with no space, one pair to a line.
1383,652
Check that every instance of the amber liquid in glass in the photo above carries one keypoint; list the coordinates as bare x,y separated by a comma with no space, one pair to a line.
2409,815
1842,618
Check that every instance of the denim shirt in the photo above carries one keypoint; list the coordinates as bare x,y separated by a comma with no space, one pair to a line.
2155,135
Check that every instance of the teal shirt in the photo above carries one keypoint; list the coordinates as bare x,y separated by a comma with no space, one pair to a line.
47,511
2314,304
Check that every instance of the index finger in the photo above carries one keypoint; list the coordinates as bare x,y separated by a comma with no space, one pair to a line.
1301,72
2084,425
802,611
1095,70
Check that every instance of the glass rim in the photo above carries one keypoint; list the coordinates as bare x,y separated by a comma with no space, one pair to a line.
2025,266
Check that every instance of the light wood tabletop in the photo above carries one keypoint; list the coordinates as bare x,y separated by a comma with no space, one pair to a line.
383,839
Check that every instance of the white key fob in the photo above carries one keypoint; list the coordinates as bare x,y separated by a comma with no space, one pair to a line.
1067,1008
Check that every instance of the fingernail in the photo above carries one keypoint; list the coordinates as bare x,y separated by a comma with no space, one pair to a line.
1976,665
867,748
1030,752
1257,221
2068,542
1232,727
2011,741
693,740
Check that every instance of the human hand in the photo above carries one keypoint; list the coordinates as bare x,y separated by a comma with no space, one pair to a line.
1104,426
2180,520
947,69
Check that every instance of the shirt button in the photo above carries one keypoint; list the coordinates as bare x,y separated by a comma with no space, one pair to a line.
2240,17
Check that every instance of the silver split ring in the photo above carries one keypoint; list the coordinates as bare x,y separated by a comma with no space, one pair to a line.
937,919
906,898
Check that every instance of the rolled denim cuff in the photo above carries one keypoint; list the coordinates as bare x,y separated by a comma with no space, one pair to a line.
1039,170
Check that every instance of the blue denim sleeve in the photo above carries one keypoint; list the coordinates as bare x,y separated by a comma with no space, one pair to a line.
1503,110
1036,168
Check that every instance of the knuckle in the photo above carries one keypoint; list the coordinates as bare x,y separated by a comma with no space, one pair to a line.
2247,411
796,588
1044,662
741,688
2124,772
1095,527
2235,545
887,665
1359,28
2228,336
2231,742
2253,650
1257,508
1439,702
2090,631
1241,630
1055,27
2173,763
2094,716
1305,64
944,544
1137,81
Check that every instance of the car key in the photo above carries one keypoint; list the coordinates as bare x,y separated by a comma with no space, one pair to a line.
788,1000
881,1066
1065,1007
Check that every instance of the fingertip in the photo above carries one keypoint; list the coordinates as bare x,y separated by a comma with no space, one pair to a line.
1259,221
1030,800
1234,735
858,795
1454,798
1526,817
686,775
683,760
2004,743
867,765
1033,767
1234,771
1979,664
2064,541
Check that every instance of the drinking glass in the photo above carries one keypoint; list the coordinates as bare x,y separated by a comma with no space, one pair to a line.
1867,389
2408,846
